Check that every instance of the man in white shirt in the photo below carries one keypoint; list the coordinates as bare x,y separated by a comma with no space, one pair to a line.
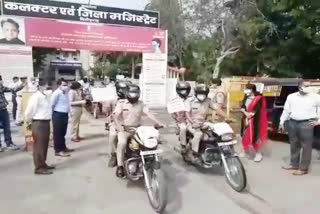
39,113
300,110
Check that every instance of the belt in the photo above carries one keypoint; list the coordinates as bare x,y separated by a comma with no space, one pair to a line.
60,112
41,120
303,121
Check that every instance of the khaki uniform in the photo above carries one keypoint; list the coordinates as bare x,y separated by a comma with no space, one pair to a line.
131,117
76,112
198,111
113,133
181,120
19,116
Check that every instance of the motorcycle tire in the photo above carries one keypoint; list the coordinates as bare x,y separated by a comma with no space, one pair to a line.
158,176
235,165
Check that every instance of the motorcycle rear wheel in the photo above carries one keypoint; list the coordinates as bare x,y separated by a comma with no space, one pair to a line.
236,177
157,193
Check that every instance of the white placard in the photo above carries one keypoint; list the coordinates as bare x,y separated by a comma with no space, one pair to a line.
103,94
176,105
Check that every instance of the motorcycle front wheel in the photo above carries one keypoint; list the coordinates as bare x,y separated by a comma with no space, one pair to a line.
157,193
236,177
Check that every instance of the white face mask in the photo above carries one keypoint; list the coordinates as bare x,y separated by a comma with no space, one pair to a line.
47,92
247,92
201,97
64,88
305,90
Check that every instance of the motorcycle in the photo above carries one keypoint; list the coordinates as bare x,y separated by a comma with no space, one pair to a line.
216,148
142,161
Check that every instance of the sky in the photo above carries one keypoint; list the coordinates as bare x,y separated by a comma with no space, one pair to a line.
128,4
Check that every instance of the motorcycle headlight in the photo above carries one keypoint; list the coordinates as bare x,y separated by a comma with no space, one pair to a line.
227,137
134,145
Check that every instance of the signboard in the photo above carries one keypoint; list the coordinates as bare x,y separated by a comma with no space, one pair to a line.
65,64
176,105
15,61
80,12
154,75
94,37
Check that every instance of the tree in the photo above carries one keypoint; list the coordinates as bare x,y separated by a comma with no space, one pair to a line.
39,56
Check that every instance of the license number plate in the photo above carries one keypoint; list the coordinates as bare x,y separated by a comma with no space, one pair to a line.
227,143
151,152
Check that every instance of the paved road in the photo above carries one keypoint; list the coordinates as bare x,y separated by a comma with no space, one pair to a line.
83,184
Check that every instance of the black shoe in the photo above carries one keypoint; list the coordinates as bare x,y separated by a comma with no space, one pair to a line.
62,154
50,167
113,161
43,172
69,150
120,172
12,146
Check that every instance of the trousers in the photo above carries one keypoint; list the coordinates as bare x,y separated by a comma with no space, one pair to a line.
112,138
5,121
19,114
14,107
76,113
60,126
300,137
123,138
182,133
41,136
197,136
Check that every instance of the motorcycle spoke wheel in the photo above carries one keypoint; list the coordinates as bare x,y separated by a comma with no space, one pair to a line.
236,177
157,191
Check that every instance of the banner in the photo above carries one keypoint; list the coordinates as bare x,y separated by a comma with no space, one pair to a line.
154,79
55,34
80,12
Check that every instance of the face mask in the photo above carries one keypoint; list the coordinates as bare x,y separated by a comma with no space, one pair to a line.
201,97
305,90
247,92
47,92
64,88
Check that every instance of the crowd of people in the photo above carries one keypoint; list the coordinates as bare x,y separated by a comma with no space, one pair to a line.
299,117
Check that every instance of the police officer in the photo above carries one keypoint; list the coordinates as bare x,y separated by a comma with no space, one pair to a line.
128,115
121,88
197,112
183,90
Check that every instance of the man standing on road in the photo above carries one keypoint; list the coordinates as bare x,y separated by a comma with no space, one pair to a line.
39,113
4,116
61,108
300,110
15,84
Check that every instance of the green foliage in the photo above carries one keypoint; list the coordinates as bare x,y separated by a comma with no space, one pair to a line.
39,56
112,64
